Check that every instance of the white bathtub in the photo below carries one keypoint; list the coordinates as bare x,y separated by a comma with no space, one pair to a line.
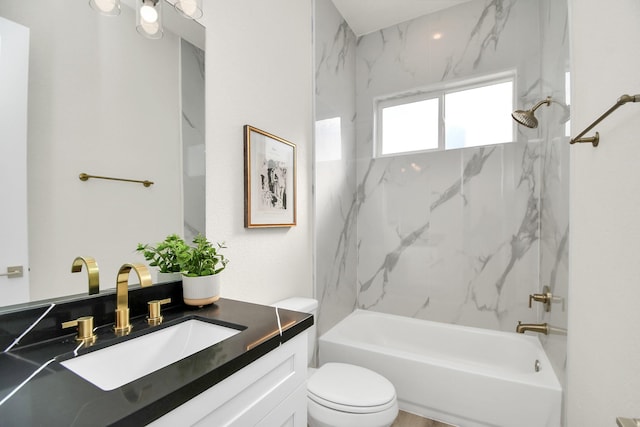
456,374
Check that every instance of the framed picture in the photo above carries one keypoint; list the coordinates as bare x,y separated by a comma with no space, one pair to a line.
270,180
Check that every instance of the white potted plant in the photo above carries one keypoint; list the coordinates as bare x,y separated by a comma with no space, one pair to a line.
164,256
201,266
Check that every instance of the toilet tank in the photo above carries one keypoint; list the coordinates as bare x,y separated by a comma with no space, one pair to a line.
304,305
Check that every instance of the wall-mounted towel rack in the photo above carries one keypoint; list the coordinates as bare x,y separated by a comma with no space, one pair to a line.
595,140
13,272
85,177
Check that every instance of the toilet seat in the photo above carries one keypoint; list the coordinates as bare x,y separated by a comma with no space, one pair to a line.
352,389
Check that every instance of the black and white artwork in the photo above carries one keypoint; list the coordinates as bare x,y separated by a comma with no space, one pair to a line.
269,180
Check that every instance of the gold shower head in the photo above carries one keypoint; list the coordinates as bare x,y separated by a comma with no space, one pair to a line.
527,118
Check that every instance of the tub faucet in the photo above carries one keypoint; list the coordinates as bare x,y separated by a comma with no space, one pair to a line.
122,326
541,328
92,271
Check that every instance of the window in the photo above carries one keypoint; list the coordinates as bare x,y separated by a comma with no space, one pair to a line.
410,127
466,115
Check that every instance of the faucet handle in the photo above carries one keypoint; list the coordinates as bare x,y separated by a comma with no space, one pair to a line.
155,318
545,297
85,329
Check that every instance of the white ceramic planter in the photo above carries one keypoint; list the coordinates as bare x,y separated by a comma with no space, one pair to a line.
201,290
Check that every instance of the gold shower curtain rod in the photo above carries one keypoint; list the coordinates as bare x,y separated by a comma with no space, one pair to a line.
595,140
85,177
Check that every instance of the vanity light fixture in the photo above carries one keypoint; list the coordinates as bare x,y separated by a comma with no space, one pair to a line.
106,7
190,9
149,18
149,13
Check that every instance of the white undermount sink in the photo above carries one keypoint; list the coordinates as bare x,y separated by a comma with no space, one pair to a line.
119,364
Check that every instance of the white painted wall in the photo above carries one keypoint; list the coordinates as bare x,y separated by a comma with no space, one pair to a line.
258,72
604,340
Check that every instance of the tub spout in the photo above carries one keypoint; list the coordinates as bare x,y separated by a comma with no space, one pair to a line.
541,328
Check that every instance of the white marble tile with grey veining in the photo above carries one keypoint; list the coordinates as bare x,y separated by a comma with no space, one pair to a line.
462,236
336,208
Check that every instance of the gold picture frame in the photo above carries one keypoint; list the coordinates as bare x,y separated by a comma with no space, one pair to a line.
269,180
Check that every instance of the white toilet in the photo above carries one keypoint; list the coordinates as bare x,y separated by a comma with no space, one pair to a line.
343,395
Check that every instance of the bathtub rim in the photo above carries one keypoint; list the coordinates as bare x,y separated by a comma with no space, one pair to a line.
547,377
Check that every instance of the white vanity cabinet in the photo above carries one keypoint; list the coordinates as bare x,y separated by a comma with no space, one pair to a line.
269,392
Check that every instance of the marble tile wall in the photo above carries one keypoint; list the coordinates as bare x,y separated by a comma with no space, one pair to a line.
336,208
462,236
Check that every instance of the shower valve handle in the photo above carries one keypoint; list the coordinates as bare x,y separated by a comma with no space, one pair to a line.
545,297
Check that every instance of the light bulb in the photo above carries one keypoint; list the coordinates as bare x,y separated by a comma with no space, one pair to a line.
105,5
188,7
148,12
151,28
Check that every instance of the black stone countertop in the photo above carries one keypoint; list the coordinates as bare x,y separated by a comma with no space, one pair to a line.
58,397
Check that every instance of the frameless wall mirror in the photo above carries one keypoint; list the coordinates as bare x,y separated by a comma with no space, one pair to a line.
103,100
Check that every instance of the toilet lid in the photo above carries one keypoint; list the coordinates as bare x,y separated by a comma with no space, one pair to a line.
350,388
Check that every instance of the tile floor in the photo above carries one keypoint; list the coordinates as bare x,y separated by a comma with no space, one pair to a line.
406,419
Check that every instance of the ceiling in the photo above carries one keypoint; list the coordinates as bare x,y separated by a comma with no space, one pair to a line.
366,16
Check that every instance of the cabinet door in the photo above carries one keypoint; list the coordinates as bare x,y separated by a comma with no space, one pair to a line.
290,413
249,395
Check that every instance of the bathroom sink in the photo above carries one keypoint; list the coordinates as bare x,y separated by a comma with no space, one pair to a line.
119,364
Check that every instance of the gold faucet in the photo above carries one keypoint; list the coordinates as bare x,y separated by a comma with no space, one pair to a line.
92,271
541,328
122,326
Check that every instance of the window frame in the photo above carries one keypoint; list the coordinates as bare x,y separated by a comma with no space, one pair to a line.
437,91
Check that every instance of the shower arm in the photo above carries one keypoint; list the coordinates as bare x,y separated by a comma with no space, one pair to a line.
595,140
547,101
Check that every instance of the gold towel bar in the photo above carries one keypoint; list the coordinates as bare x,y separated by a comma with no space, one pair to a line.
84,177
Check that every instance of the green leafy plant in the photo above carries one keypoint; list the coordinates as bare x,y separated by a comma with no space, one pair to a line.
165,254
203,259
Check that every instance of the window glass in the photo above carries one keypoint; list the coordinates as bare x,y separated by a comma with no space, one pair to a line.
479,116
468,114
410,127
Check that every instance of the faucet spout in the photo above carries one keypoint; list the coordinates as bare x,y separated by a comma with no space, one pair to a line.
92,270
541,328
123,326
